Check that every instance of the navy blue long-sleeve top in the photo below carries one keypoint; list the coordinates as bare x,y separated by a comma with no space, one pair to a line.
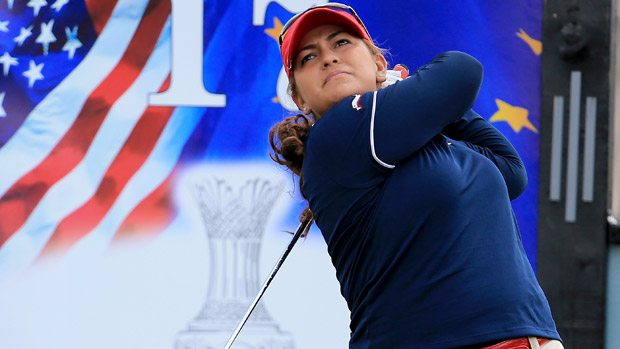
411,190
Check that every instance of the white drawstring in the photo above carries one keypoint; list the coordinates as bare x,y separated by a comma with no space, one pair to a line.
533,342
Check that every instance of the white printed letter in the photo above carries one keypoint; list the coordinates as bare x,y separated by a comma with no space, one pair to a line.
186,82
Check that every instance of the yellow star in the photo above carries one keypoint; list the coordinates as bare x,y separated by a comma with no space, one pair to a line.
535,45
275,31
516,117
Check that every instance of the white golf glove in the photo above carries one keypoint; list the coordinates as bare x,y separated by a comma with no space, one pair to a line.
399,73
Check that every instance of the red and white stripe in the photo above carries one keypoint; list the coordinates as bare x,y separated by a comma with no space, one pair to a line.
92,156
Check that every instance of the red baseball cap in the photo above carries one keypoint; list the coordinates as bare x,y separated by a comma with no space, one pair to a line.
298,26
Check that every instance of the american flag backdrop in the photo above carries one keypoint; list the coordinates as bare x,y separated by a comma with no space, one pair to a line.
88,163
84,153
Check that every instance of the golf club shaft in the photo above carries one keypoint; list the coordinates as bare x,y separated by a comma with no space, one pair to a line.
302,227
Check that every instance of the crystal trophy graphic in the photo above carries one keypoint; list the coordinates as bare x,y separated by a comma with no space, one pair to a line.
234,219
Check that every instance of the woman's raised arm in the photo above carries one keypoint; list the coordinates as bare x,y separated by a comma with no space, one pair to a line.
479,135
409,113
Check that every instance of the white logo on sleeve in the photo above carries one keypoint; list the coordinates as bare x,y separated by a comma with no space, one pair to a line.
355,103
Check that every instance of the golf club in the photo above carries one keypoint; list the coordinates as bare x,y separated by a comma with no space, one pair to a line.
302,227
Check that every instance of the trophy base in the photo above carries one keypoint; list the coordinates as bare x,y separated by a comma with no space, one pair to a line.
252,336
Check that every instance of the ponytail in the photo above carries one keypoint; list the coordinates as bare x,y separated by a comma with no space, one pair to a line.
287,139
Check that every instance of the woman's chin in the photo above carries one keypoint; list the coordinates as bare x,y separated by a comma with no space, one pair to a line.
343,90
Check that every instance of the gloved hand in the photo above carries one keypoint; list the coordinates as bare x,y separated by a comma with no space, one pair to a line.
399,72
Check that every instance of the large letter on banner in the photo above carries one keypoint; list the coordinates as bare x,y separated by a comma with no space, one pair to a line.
186,83
294,6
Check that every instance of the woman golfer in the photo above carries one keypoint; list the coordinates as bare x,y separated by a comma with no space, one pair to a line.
411,190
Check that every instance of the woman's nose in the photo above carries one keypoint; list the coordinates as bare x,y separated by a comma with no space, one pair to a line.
330,59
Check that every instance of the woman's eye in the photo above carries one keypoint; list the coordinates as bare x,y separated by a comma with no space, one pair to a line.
306,58
342,42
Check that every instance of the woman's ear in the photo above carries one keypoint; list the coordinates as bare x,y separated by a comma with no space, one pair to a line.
382,65
301,104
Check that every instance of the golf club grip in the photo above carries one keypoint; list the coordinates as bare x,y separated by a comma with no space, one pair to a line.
302,227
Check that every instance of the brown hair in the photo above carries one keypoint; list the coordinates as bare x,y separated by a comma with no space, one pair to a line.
288,138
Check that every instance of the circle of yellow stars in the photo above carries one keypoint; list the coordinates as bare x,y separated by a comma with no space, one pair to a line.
517,117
